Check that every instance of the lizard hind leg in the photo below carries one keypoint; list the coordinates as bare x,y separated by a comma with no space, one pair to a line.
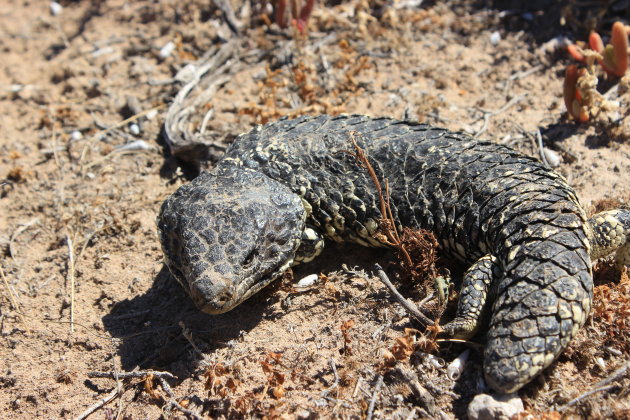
610,232
474,297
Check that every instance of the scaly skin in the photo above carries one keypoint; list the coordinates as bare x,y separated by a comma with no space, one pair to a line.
282,190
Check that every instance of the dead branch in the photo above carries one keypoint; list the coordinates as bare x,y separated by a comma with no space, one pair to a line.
377,390
71,279
420,243
141,374
202,79
172,403
409,307
13,299
188,336
21,229
100,404
489,114
228,13
601,386
386,211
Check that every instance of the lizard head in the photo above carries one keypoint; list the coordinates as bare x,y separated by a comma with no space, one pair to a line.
228,234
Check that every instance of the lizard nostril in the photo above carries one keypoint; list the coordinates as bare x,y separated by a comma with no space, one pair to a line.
212,295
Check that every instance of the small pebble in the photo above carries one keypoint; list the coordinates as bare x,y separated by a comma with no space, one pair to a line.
76,135
151,114
307,281
553,158
55,8
495,37
494,407
167,49
468,129
601,363
134,128
613,350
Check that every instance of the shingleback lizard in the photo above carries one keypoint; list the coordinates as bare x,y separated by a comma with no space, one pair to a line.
284,188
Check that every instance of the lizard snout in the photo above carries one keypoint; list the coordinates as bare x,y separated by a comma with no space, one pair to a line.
213,296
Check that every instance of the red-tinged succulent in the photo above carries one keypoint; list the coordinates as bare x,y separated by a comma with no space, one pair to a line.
572,96
595,42
616,53
305,13
580,84
281,7
575,52
300,10
614,56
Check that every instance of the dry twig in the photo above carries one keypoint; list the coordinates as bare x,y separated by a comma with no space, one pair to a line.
335,385
161,377
101,133
21,229
100,404
172,403
71,279
13,299
377,390
188,336
601,386
228,13
489,114
202,80
409,307
141,374
386,211
419,243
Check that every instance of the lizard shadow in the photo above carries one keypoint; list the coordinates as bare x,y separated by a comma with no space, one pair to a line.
151,328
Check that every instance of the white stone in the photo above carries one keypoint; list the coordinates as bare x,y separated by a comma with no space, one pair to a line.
151,114
553,158
134,128
494,407
167,49
307,281
55,8
495,37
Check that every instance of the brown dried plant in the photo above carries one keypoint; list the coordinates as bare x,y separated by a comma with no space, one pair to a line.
417,249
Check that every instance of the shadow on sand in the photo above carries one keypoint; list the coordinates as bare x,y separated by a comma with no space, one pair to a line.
150,326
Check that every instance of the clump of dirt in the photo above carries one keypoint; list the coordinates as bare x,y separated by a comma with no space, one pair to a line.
84,92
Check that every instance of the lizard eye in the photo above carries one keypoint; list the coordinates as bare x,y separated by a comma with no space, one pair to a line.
250,257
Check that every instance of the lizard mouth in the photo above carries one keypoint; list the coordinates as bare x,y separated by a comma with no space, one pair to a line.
219,294
213,296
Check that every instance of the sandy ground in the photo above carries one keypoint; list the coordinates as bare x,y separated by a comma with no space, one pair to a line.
84,287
